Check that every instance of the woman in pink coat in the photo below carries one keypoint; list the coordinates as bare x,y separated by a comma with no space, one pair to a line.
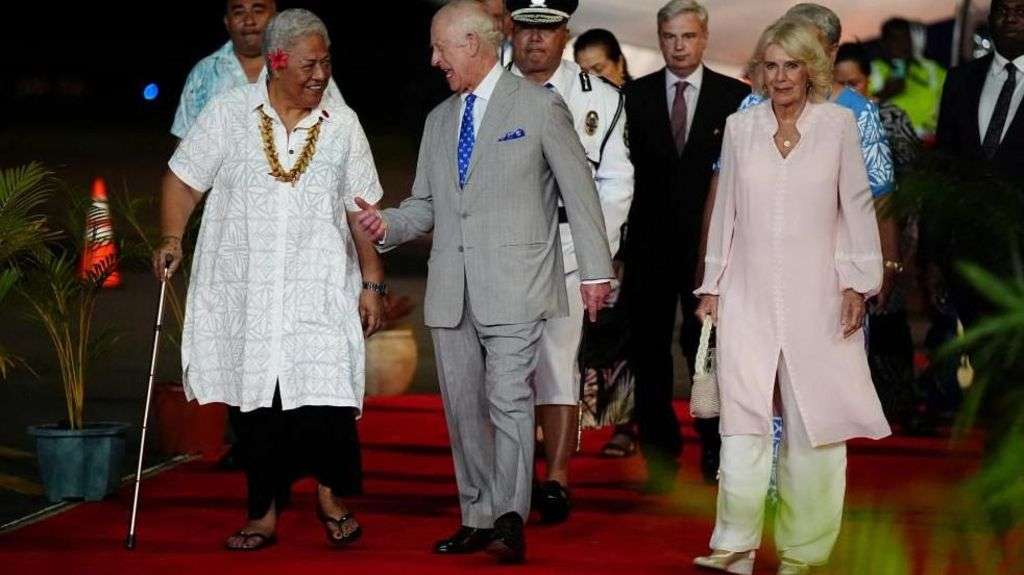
793,251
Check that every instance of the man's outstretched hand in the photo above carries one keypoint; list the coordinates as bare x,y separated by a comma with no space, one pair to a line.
370,220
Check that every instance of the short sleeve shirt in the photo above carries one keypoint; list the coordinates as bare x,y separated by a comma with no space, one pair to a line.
273,295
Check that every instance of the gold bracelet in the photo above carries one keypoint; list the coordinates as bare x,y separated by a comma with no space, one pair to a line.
893,265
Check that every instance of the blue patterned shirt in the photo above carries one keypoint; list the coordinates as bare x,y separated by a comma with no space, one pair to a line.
213,75
873,143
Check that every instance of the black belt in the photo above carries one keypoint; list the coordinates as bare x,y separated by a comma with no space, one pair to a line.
563,218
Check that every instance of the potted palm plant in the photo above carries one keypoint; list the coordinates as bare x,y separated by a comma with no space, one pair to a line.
77,460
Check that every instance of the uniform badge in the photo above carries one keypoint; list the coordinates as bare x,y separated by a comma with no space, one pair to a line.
590,124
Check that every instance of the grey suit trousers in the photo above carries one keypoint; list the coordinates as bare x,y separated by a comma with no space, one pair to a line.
484,373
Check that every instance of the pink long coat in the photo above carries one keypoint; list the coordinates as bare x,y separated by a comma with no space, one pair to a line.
787,237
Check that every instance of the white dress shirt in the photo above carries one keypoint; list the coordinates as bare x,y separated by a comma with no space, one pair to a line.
483,94
693,81
994,81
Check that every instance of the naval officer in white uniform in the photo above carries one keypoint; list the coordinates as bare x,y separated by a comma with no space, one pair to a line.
540,35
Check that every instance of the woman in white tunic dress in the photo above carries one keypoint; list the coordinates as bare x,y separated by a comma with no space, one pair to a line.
282,292
793,251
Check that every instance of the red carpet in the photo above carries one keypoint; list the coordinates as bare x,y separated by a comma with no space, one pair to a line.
410,501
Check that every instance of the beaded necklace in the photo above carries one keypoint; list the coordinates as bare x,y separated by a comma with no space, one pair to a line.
305,157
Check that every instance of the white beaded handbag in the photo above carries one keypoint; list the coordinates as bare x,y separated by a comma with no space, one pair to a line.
704,402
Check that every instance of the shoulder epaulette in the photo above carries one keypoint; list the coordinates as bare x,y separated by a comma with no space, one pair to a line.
585,82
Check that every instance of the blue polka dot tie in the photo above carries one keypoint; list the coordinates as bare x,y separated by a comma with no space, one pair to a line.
466,140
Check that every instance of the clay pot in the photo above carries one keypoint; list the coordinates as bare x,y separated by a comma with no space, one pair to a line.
185,426
391,357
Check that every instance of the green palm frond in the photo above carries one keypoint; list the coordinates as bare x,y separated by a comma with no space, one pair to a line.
871,542
8,278
23,228
24,232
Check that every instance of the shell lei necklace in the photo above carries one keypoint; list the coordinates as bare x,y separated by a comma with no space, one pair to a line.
276,171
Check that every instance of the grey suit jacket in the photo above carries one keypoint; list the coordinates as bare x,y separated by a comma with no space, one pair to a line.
498,237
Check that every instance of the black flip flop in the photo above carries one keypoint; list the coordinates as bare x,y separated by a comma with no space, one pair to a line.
333,526
614,449
263,541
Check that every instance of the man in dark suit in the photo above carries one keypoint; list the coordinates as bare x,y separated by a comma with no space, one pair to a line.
981,126
981,123
675,121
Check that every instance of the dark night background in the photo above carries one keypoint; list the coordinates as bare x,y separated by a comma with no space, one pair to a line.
77,71
96,57
71,96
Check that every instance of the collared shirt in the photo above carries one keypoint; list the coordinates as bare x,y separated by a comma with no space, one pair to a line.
560,82
994,81
212,76
694,82
483,94
873,143
274,292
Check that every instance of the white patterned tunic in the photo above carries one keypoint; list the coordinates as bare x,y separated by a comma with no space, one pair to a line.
273,296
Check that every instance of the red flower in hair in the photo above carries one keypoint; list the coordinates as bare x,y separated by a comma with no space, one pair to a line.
278,60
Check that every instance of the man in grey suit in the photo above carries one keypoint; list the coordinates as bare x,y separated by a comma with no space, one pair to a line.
494,159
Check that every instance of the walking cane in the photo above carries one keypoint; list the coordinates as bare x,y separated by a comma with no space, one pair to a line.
129,542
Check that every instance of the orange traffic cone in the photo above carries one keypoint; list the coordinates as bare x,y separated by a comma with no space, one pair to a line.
100,256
